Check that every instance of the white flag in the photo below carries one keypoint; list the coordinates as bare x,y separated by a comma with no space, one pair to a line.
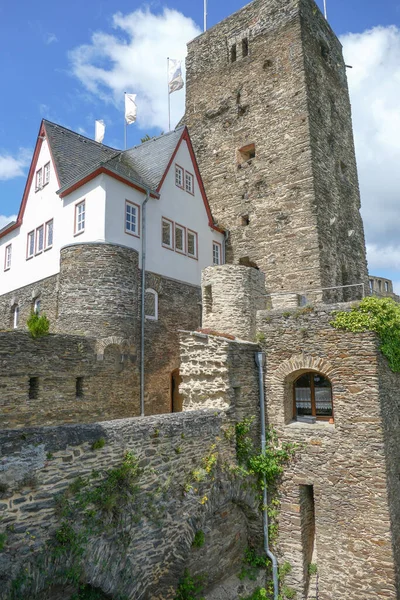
99,130
130,108
175,81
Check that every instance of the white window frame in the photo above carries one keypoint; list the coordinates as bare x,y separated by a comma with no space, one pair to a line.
179,176
46,173
15,316
189,179
183,229
47,246
155,316
78,219
30,248
7,257
196,239
39,229
136,232
172,233
217,245
39,180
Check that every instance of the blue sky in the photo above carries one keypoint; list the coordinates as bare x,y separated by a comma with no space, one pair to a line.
70,62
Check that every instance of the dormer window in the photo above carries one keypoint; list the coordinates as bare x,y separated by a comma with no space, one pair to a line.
46,173
39,180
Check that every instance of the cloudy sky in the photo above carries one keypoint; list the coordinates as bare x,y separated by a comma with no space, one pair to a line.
75,70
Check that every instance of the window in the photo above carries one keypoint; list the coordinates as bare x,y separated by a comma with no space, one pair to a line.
313,397
151,305
33,388
80,217
179,176
386,286
7,257
15,316
46,173
380,285
39,239
167,238
49,234
233,53
36,306
30,246
217,253
189,182
245,47
246,153
39,180
192,243
180,239
371,285
79,387
132,218
207,299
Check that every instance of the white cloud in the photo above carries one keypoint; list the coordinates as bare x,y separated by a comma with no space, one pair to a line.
134,59
6,220
11,166
374,83
50,38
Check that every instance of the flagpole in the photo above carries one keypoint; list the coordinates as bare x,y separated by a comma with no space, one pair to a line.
325,13
124,121
169,98
205,15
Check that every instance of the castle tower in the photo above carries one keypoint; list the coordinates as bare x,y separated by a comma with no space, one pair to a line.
268,110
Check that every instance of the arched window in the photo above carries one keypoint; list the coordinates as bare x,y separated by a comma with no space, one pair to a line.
313,397
151,305
15,316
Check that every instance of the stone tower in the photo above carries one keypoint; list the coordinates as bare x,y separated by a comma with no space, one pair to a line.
268,110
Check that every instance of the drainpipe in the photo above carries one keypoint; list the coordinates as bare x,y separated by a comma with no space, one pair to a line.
142,303
260,362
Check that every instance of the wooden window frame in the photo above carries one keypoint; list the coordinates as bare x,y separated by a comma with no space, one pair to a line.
76,207
37,252
220,253
312,388
192,180
182,187
32,233
43,176
46,228
196,244
39,187
184,238
137,206
7,254
172,247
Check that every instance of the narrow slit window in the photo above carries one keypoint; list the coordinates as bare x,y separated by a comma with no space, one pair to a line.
233,53
15,316
207,299
33,392
36,306
245,47
79,387
386,286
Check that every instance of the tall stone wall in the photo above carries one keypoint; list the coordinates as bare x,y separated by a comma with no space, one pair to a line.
141,550
270,154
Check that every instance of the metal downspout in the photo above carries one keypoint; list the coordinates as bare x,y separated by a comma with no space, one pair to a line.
142,303
260,362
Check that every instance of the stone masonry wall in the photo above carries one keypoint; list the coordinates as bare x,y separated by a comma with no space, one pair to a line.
275,204
142,553
45,289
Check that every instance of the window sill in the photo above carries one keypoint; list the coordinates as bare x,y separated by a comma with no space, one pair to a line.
325,425
136,235
79,232
30,257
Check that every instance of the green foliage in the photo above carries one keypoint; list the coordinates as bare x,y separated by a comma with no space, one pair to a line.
260,337
288,593
284,569
312,569
189,587
381,315
145,138
3,541
86,592
258,594
38,325
199,539
49,456
98,444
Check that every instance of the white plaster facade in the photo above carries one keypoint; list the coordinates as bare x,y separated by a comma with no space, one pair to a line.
105,199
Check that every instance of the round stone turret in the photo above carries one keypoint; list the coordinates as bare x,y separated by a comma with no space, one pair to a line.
232,295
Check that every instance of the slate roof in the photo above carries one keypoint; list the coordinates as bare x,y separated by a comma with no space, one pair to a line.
76,156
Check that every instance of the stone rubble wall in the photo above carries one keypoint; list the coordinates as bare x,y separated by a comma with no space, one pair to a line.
157,529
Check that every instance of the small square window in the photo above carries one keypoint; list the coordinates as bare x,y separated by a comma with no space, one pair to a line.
80,212
167,239
132,224
39,180
30,246
217,253
7,258
189,182
180,235
39,239
49,234
46,173
192,244
179,176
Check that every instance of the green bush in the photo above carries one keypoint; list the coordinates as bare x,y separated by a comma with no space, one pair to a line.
38,325
199,539
189,587
381,315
